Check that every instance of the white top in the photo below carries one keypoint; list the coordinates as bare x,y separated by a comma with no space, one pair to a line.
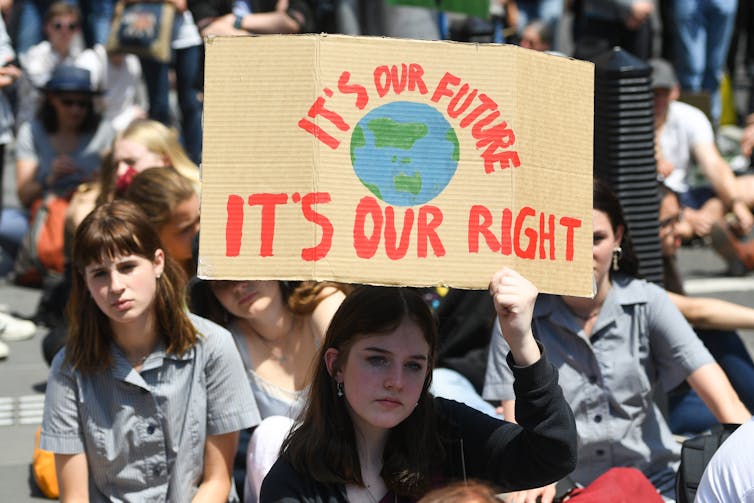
37,64
185,32
729,476
122,83
685,128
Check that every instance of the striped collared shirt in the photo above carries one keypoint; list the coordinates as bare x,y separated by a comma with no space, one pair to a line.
144,432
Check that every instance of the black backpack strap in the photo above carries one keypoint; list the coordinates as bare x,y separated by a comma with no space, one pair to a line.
696,453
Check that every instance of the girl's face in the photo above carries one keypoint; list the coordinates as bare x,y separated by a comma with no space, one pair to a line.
71,109
604,242
130,154
177,234
383,376
60,31
124,287
247,299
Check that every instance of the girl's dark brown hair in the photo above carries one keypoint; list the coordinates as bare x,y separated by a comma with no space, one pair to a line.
324,445
115,229
606,201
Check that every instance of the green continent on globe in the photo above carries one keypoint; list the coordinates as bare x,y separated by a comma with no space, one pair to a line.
406,183
450,135
390,133
357,141
373,189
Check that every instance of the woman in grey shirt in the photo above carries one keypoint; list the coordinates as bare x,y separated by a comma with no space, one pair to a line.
611,351
145,402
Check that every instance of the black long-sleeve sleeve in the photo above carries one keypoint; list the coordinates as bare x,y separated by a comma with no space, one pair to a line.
539,450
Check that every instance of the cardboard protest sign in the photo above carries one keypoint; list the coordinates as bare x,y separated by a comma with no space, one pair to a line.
385,161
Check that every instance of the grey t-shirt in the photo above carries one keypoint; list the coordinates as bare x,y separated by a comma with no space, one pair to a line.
33,144
640,340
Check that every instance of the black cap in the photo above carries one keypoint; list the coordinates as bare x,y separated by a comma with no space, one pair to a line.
663,75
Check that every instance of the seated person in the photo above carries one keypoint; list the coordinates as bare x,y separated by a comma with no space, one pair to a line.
371,430
57,151
685,138
715,322
611,352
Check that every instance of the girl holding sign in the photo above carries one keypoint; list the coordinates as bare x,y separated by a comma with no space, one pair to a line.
372,432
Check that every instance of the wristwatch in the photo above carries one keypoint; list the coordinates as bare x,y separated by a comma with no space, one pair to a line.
237,22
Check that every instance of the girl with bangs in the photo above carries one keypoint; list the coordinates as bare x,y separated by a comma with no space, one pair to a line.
146,400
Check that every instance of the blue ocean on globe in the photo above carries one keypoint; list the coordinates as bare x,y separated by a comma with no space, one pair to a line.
405,153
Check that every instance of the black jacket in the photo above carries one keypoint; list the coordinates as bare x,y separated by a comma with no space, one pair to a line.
540,449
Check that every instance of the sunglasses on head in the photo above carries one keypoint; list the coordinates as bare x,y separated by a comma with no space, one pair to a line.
57,26
70,102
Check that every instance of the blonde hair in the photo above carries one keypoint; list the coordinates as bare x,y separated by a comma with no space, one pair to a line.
157,138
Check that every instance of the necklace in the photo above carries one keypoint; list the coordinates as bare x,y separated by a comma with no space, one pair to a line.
286,341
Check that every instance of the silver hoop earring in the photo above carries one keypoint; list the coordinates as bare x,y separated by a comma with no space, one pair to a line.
617,252
339,386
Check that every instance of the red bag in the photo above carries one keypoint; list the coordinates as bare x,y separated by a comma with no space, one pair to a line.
617,485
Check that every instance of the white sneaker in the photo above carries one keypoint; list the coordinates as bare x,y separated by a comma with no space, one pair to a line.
4,351
15,329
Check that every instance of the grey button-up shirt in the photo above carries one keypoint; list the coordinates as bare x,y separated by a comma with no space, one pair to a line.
639,340
144,432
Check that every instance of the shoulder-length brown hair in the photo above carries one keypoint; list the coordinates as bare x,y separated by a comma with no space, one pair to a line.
113,229
324,445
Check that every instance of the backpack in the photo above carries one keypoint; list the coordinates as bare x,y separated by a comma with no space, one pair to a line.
42,249
695,454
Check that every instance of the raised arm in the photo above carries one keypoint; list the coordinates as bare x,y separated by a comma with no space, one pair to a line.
331,298
514,298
